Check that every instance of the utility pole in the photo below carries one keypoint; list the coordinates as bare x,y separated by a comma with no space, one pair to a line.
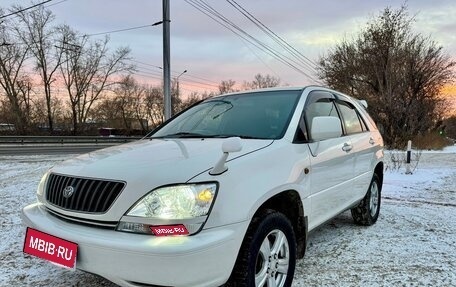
166,61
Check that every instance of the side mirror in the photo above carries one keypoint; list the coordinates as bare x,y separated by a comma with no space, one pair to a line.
228,146
324,128
232,145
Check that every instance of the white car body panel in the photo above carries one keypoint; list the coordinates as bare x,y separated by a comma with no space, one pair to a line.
123,258
146,165
263,174
328,178
330,190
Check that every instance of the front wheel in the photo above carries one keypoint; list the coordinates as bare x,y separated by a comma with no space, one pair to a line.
367,211
268,253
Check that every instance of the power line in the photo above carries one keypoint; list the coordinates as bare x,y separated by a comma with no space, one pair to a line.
260,59
138,62
56,3
121,30
25,9
212,13
242,39
200,78
183,79
305,61
153,76
187,75
279,40
148,76
257,43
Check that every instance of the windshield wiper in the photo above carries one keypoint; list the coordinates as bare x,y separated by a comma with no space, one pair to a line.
183,135
197,135
238,136
222,112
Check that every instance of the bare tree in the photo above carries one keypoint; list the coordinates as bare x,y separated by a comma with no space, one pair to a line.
106,112
25,96
88,69
191,99
58,111
449,128
36,32
260,82
155,105
400,74
227,86
176,100
13,79
129,102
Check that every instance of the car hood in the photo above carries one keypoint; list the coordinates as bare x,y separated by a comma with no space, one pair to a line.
147,164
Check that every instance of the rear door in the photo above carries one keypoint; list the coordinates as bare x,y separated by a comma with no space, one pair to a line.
363,147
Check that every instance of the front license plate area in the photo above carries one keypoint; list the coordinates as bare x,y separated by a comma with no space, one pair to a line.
51,248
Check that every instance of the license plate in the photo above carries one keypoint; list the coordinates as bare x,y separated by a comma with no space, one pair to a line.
51,248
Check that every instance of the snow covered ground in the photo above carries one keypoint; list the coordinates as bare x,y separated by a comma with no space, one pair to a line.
412,244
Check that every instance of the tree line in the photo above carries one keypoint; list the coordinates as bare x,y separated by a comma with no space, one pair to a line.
37,56
134,106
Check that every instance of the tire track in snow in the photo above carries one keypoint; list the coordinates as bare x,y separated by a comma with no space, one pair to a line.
397,199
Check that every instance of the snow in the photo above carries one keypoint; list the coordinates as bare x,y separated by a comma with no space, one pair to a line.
412,243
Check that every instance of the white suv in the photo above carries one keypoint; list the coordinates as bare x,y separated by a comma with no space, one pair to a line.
226,192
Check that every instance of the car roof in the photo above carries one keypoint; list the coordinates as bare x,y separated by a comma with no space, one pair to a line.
263,90
291,88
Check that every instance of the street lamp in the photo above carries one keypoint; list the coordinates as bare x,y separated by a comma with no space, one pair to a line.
177,81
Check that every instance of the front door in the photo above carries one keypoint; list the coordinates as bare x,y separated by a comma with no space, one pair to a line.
332,163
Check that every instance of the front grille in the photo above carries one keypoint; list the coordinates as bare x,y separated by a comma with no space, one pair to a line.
82,194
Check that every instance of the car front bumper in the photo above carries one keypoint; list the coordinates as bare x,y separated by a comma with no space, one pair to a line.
204,259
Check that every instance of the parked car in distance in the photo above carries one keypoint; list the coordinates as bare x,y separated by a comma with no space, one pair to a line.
225,193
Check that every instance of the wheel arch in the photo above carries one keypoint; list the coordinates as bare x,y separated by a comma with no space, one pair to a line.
379,171
289,204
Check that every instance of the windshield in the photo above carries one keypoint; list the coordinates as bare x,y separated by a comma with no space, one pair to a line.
259,115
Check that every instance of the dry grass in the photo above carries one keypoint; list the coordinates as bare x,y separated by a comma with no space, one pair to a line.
430,141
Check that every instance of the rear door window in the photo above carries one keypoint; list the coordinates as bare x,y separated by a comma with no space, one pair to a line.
352,122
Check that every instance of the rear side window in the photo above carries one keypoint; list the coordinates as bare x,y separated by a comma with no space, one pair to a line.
352,122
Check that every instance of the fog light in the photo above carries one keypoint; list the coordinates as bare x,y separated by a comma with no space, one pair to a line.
134,227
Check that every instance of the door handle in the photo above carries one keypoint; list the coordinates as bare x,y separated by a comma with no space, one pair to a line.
347,147
371,141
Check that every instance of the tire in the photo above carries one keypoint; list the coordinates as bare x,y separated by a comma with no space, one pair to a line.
367,211
268,253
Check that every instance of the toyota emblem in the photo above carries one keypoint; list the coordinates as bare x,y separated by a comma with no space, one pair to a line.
68,191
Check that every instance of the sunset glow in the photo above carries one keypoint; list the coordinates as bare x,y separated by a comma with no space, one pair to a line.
449,91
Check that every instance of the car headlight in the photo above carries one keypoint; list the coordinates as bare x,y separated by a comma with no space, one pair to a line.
171,206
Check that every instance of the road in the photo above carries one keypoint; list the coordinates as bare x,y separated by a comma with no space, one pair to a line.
51,149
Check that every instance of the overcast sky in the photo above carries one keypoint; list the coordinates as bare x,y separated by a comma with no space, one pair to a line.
211,53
